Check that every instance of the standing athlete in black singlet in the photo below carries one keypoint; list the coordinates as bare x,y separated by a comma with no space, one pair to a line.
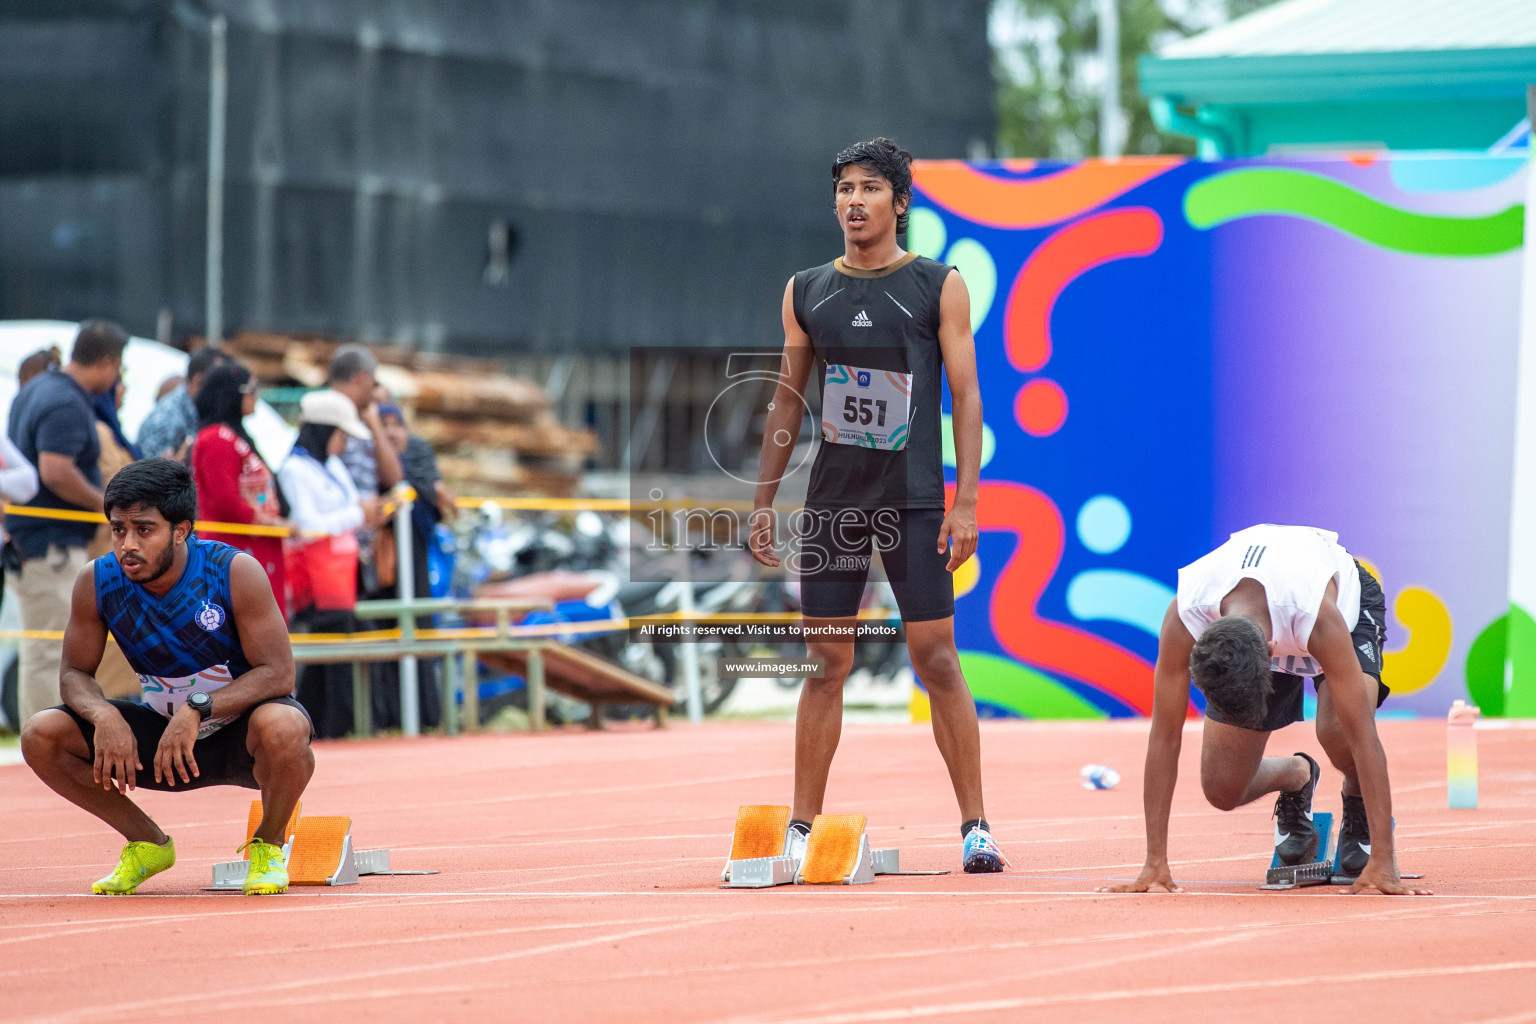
879,326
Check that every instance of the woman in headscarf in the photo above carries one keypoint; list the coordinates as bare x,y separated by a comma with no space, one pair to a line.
234,485
325,507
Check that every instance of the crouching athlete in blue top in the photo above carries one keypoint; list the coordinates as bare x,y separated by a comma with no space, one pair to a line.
197,620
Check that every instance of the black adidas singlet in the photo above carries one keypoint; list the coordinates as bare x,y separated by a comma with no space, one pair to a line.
870,328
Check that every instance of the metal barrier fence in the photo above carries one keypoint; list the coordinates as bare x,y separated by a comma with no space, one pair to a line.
406,644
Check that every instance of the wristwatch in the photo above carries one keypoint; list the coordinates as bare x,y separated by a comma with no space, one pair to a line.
202,704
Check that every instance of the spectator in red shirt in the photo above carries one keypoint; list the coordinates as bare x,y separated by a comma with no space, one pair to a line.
234,485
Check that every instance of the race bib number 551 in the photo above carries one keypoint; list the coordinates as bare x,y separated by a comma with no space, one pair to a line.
868,408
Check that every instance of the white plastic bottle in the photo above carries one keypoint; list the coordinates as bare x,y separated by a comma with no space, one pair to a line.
1096,776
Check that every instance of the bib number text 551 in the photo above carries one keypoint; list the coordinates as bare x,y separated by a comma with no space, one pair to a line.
864,411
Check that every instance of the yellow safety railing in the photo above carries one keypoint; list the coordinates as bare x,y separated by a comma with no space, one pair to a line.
513,631
508,504
72,515
611,504
80,516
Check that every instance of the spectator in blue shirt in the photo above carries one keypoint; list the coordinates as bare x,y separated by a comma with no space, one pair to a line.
172,423
53,424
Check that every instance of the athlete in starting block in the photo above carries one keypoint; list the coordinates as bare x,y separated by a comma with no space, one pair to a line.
197,620
1272,605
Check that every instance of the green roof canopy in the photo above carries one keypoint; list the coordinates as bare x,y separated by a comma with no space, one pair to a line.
1404,74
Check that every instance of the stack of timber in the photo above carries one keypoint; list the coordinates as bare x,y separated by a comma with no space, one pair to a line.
494,434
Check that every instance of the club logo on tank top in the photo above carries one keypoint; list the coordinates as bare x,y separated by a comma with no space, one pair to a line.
210,616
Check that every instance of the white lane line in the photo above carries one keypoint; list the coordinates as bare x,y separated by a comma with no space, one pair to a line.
885,955
1519,1018
458,935
1263,929
235,905
800,892
503,985
1403,853
1161,992
344,997
245,996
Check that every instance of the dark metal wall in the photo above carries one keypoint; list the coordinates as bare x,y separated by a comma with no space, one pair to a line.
661,164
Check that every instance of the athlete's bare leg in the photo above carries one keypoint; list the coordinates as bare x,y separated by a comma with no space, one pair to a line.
1331,735
931,646
54,748
1234,770
278,738
819,719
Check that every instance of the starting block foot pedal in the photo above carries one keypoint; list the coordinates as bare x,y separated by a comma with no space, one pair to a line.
757,849
1296,876
322,853
838,852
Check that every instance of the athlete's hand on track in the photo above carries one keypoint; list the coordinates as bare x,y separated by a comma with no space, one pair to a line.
1150,875
959,527
175,752
117,753
1384,880
760,537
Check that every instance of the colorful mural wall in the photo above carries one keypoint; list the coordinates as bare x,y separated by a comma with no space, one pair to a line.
1173,350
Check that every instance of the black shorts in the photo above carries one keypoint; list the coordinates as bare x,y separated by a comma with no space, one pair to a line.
222,759
1287,697
831,553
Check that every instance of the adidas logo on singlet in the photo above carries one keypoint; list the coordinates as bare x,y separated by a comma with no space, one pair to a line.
863,320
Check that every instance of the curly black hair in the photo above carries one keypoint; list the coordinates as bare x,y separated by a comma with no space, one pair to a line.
1230,665
889,160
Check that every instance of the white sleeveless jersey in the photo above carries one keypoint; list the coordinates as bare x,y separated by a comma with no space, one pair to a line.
1295,564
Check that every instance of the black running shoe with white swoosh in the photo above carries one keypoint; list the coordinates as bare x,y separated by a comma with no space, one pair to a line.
1354,839
1296,838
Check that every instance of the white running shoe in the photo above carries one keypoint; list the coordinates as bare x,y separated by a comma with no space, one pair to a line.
794,844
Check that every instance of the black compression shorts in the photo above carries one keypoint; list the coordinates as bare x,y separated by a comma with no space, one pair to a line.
833,550
222,759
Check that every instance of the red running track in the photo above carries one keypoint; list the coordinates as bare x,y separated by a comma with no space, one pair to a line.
579,883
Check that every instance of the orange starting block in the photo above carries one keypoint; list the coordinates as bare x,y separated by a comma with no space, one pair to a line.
319,851
837,851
